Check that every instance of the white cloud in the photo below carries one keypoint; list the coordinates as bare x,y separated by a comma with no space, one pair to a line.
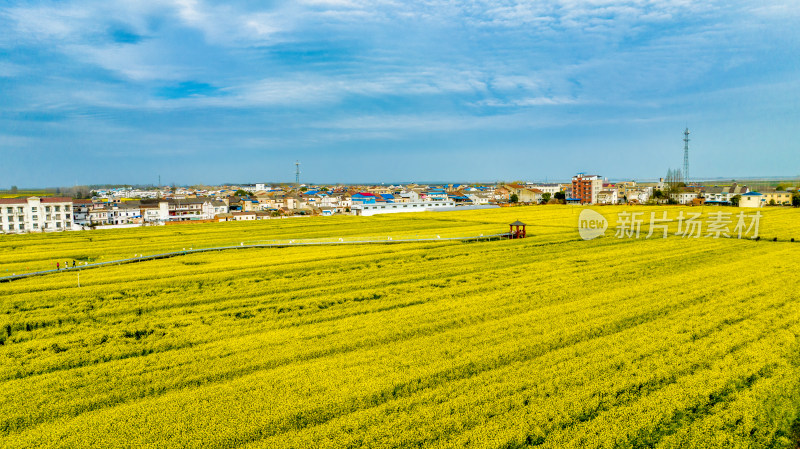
11,70
529,101
48,23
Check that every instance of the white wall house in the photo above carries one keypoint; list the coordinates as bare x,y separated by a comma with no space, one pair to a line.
723,195
684,197
212,208
34,214
551,188
479,198
639,195
123,213
752,199
607,197
392,208
99,215
80,212
410,195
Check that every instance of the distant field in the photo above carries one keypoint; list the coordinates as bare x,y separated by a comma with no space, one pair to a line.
549,341
754,184
24,193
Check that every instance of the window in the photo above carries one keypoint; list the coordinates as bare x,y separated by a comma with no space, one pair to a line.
36,226
10,210
57,208
47,208
20,226
58,224
66,216
34,218
33,209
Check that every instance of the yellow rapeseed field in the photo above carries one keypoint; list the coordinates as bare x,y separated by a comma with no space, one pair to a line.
548,341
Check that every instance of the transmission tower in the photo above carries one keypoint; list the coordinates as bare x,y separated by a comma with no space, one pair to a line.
297,172
686,156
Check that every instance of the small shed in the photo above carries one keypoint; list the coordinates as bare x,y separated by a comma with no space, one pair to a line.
514,231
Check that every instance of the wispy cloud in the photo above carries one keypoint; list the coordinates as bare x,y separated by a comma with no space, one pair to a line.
310,73
530,101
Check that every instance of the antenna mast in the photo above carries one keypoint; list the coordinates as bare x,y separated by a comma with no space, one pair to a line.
297,173
686,156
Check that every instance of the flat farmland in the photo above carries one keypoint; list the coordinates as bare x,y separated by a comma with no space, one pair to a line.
549,341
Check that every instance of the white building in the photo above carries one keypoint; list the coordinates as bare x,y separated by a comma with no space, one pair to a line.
34,214
410,196
479,198
684,197
155,213
551,188
212,208
640,196
723,195
99,215
607,197
80,212
391,208
752,199
125,212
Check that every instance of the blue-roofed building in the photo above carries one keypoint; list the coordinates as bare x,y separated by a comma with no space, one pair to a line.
752,199
459,198
435,195
363,198
573,200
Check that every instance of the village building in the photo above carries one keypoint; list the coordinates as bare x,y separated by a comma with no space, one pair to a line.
35,214
585,188
752,199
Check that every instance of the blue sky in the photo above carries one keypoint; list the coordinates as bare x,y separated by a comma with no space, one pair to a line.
384,90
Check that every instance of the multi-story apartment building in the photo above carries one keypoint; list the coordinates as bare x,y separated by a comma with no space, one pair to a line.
586,187
183,210
35,214
80,212
98,215
125,212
